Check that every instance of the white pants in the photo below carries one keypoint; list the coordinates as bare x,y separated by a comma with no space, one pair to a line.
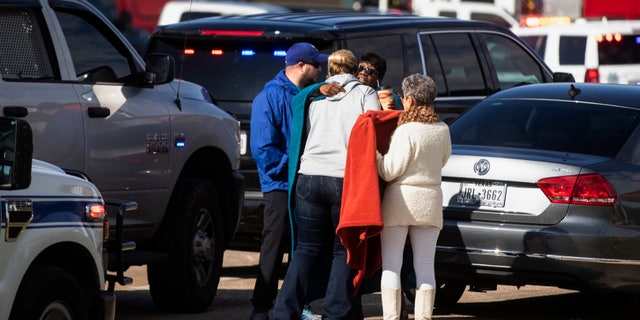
423,244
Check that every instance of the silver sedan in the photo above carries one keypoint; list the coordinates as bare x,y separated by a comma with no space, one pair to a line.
543,187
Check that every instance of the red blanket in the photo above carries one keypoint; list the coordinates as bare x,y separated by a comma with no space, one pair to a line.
361,212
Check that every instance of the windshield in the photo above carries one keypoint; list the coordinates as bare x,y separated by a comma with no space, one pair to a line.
623,50
232,71
546,125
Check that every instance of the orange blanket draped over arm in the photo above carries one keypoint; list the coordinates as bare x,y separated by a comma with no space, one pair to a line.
361,212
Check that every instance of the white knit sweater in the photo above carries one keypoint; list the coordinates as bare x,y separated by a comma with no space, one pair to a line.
412,167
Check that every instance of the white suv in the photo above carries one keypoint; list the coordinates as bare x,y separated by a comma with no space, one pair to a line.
593,51
177,11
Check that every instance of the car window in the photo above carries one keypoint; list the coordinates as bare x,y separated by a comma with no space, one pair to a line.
538,43
513,65
546,125
108,7
453,64
94,57
197,15
230,70
572,50
23,48
390,48
621,49
449,14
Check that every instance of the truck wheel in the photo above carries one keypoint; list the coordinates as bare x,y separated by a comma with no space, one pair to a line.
193,237
47,293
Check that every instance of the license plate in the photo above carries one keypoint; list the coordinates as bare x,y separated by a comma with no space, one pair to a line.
490,194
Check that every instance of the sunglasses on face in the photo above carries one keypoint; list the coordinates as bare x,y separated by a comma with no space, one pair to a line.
367,71
312,63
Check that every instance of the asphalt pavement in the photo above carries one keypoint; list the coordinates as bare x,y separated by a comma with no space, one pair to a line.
508,302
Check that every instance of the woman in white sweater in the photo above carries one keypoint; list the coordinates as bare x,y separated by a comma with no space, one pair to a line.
412,200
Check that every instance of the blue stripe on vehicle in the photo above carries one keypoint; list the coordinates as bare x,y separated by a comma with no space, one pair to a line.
67,209
95,225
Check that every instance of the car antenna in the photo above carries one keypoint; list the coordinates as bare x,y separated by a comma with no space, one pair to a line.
184,46
573,92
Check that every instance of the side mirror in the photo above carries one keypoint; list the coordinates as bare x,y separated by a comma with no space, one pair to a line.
563,77
159,69
16,152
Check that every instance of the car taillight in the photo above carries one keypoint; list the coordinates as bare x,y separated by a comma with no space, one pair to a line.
592,75
232,33
587,189
95,212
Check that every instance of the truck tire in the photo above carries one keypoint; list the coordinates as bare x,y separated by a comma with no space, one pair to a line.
193,237
48,292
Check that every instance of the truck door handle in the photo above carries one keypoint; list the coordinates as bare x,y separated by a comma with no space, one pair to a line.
98,112
16,112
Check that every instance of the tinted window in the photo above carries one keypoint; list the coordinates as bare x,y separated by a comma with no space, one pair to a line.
434,68
23,52
450,14
452,62
572,50
103,62
231,70
390,48
197,15
625,51
107,7
513,64
548,125
538,43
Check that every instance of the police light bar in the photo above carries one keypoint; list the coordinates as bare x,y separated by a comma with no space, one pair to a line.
539,21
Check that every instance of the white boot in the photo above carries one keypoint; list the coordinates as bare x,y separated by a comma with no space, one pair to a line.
391,303
424,304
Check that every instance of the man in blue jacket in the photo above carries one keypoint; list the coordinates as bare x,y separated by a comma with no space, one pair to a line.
269,143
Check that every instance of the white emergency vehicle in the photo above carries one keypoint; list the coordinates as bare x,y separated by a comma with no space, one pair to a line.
53,251
606,51
467,11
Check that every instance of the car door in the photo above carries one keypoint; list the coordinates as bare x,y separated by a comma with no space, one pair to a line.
510,62
451,58
33,87
127,127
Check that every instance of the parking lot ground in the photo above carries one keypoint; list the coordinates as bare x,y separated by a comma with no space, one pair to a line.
238,277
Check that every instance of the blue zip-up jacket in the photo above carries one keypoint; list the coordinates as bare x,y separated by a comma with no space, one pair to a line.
270,131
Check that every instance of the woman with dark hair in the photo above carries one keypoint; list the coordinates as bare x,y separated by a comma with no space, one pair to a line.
371,71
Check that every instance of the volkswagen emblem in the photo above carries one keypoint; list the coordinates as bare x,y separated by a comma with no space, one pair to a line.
481,167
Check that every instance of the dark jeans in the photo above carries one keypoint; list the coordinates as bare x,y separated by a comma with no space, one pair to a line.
274,234
318,200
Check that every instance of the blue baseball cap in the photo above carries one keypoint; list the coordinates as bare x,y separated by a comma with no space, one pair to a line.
303,51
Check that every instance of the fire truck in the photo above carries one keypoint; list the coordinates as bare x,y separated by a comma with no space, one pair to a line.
612,10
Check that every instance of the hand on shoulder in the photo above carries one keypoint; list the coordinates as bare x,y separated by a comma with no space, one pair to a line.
331,89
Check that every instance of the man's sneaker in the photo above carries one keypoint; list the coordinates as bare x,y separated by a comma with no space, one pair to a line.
259,316
307,314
